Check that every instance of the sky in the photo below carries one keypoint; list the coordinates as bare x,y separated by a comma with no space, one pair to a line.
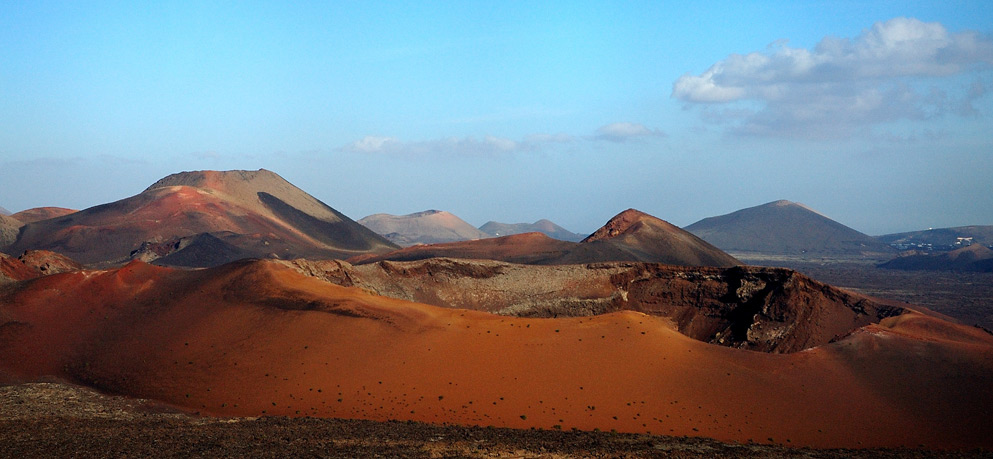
876,114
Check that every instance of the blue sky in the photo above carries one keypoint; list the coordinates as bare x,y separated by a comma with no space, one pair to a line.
877,114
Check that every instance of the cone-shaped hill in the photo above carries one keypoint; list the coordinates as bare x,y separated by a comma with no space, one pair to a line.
629,236
543,226
428,227
785,228
249,213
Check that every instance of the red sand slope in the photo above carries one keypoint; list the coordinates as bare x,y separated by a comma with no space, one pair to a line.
255,338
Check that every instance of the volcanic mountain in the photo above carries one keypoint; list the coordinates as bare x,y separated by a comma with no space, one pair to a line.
246,213
543,226
42,213
258,337
974,258
428,227
629,236
942,238
785,228
9,227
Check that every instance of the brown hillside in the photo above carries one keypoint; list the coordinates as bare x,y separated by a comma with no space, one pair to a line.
269,216
34,263
259,338
644,238
42,213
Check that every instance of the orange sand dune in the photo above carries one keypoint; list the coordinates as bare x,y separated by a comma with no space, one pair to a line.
255,338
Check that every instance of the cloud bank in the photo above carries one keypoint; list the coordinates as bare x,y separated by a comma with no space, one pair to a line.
493,146
622,132
889,72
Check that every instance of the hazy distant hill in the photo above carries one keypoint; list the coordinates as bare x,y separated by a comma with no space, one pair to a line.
42,213
541,226
942,238
257,212
629,236
785,228
4,211
974,258
428,227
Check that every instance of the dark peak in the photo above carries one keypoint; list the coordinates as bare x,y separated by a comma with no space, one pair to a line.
425,213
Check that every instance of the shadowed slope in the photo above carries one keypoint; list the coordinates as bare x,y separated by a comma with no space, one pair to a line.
629,236
428,227
9,229
255,338
271,217
974,258
785,228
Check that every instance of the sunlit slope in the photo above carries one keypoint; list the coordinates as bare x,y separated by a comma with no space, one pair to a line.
255,338
252,213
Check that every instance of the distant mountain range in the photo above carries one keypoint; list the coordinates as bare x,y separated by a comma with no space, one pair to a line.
972,258
428,227
546,227
630,236
941,238
4,211
214,217
786,228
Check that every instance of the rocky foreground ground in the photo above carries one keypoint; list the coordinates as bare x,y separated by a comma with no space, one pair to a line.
62,420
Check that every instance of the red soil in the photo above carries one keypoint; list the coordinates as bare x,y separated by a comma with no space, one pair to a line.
255,338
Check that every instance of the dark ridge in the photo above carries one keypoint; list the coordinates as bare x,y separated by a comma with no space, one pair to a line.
345,234
204,249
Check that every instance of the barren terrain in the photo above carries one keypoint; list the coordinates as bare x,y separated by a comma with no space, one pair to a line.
58,419
965,296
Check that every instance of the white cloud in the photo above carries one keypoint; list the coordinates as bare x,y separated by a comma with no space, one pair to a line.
885,74
452,146
620,132
372,144
492,145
